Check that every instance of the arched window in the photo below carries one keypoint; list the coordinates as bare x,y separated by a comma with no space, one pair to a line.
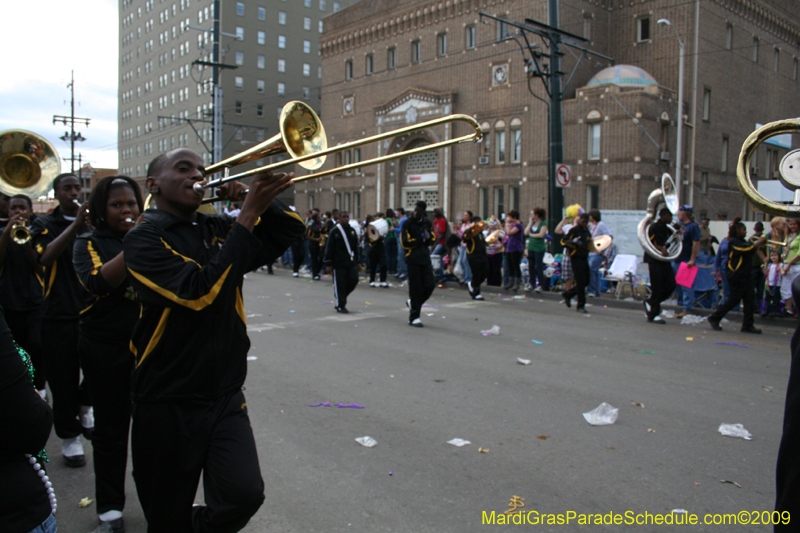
516,140
500,142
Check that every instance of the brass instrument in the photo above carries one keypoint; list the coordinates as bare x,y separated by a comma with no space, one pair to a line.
28,163
599,244
493,236
668,195
302,136
789,169
473,231
20,233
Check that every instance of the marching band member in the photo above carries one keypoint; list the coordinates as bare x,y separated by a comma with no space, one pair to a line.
576,243
376,257
314,236
190,344
106,327
475,247
662,278
416,235
341,259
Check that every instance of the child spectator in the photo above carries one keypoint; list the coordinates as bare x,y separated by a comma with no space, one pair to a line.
772,272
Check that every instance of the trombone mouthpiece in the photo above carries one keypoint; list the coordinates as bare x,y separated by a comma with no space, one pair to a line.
129,220
198,188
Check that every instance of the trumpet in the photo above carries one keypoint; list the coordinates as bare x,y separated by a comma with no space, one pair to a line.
302,136
20,233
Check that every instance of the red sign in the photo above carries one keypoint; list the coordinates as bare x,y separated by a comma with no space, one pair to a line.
563,176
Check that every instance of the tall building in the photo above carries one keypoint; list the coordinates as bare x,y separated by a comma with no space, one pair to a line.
270,52
388,64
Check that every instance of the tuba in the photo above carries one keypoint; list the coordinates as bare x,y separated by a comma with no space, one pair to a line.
665,195
28,163
789,169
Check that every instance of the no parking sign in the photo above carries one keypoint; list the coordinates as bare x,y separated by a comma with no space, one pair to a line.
563,176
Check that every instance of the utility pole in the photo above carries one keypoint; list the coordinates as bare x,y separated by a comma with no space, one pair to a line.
551,75
70,135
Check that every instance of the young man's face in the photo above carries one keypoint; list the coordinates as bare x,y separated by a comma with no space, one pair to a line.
68,191
173,185
18,206
419,212
344,219
584,222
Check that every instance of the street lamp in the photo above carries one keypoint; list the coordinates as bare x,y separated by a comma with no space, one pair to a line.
678,162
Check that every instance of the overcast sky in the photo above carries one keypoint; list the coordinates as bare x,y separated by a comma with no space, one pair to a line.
43,42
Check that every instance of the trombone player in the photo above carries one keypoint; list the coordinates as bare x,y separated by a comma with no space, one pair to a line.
190,344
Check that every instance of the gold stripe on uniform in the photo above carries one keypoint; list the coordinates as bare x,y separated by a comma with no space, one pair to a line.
162,325
52,280
240,306
187,259
195,305
95,258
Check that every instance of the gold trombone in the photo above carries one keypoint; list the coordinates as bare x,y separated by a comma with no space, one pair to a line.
302,136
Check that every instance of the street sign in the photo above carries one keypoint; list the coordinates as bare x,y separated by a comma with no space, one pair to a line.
563,176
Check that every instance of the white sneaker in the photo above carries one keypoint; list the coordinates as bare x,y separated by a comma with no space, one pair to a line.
417,323
469,287
72,450
538,289
372,284
408,303
295,274
479,297
384,285
87,417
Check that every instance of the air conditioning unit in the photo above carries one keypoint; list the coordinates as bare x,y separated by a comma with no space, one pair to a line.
665,156
483,160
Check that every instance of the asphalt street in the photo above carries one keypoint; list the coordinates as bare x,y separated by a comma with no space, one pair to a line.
673,384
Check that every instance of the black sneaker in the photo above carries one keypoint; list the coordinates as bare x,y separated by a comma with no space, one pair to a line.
342,310
716,327
752,329
112,526
567,300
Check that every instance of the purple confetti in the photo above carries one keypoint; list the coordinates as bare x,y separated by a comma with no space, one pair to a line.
352,405
732,344
318,404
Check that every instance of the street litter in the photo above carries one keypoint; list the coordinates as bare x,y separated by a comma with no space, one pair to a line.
429,314
735,430
483,450
668,313
603,415
85,502
251,357
637,404
520,297
537,342
292,311
367,442
458,442
768,389
692,319
320,403
254,315
731,482
651,430
690,339
732,344
543,437
495,330
523,361
350,405
679,511
647,351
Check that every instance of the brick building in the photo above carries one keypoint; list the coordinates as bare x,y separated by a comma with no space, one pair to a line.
387,64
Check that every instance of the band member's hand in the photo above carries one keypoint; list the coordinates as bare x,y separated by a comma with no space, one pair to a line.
232,190
83,214
264,188
15,220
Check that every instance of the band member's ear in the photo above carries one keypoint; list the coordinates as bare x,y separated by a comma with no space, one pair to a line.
150,186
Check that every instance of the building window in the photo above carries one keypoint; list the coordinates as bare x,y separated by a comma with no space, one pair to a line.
643,29
794,69
262,13
356,214
415,51
592,197
281,65
306,47
441,44
282,18
777,59
594,141
357,158
724,163
499,201
262,62
238,107
368,65
323,5
706,104
281,41
513,198
502,30
239,83
337,201
348,69
281,89
500,142
307,23
306,93
311,201
336,6
307,3
319,72
470,37
320,26
729,37
391,58
260,86
755,49
483,204
240,58
306,70
347,202
240,9
240,33
260,110
516,144
704,182
262,37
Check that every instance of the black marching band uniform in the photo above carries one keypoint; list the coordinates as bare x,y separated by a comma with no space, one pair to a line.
416,235
576,243
376,256
740,262
313,231
106,328
662,277
478,263
63,303
344,261
21,299
298,255
190,348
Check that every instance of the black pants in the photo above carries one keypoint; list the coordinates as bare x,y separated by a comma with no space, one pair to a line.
580,271
26,326
538,270
480,272
60,347
420,287
513,259
787,477
298,254
741,291
377,258
108,368
316,260
773,295
172,443
662,285
759,279
495,277
345,281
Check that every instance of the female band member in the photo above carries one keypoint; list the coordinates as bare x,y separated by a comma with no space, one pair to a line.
106,326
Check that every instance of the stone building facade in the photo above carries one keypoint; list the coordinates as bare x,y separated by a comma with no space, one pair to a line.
387,63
